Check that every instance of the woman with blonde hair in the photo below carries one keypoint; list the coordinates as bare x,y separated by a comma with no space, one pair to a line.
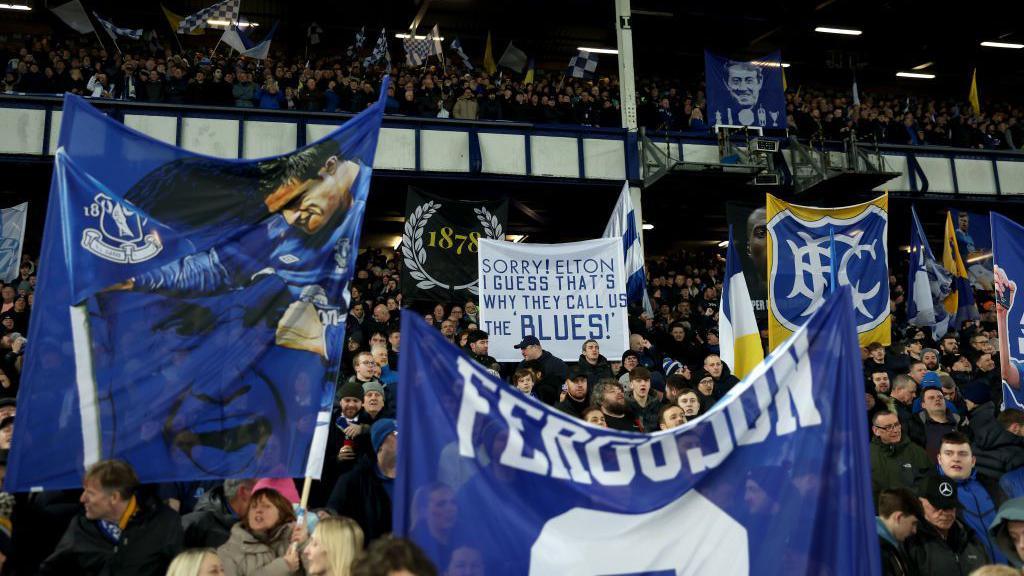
333,547
196,562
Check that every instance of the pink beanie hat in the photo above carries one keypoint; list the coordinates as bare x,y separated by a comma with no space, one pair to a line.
284,486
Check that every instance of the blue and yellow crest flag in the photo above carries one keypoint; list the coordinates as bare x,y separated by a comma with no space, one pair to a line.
190,310
812,250
772,480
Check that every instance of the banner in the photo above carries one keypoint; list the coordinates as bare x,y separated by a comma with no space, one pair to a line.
803,261
745,93
773,480
750,233
928,284
564,294
441,242
12,239
1008,256
974,239
190,310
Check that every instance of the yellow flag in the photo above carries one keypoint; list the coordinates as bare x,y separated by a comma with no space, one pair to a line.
785,85
174,19
489,64
972,97
529,73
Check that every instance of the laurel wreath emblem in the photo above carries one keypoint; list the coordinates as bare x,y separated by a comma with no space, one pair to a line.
414,256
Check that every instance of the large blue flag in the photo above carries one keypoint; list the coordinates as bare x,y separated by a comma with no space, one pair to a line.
928,283
742,93
1008,267
773,480
189,315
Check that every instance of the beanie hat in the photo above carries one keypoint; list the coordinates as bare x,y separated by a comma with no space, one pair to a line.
976,391
380,431
350,389
930,380
284,486
372,386
670,366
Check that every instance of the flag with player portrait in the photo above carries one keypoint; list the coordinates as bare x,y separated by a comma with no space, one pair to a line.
190,310
1008,255
745,93
812,250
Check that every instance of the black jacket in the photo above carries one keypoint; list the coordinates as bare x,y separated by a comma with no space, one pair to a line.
998,450
595,372
360,495
957,555
209,524
152,538
554,374
573,407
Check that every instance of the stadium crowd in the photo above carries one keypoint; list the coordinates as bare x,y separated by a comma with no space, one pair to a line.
340,83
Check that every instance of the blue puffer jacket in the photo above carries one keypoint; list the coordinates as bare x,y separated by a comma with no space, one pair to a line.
979,511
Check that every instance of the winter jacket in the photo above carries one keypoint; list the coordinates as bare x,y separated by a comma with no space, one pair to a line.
928,433
998,451
465,108
150,540
362,496
979,498
894,556
554,372
1012,483
898,465
648,415
209,524
573,407
959,554
244,94
247,555
997,531
595,372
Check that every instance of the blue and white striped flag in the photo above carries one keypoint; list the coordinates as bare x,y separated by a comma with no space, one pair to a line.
12,238
623,223
380,51
357,44
224,10
738,337
456,45
928,284
114,31
583,65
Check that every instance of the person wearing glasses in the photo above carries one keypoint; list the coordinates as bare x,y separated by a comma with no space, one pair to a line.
896,462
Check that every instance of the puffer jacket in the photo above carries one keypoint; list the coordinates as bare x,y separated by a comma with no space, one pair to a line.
595,372
997,532
998,451
959,554
246,555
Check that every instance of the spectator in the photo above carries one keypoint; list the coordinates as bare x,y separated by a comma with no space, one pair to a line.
392,557
209,524
898,513
593,363
719,372
608,396
639,400
896,462
935,420
244,91
269,96
479,346
942,544
689,401
196,562
466,106
978,496
364,494
998,448
523,380
594,415
116,511
260,543
904,391
553,371
576,398
333,547
670,416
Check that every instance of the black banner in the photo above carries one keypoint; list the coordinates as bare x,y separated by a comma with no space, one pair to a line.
439,245
749,231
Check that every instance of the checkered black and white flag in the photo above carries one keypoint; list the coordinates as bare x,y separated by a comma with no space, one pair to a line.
583,65
380,51
313,34
114,31
357,45
224,10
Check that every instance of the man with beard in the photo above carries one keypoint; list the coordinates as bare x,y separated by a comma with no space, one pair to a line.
479,346
576,397
364,494
593,364
950,349
608,396
930,357
348,440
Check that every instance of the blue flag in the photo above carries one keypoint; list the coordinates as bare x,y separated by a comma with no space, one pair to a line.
928,284
773,480
1008,267
742,93
12,238
190,310
622,223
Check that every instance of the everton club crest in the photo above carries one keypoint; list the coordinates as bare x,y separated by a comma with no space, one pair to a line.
120,237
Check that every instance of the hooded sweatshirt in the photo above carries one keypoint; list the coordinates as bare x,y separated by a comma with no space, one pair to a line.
998,532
